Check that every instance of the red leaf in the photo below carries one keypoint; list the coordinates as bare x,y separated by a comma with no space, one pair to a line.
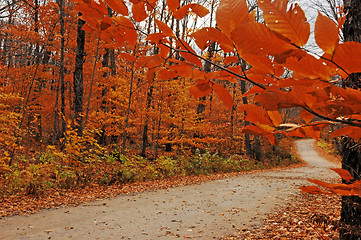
139,13
196,8
205,36
127,57
184,70
163,27
275,117
118,6
173,5
318,182
353,132
347,56
257,38
166,74
201,89
306,116
326,34
105,23
223,94
313,190
230,14
255,114
344,174
290,21
192,58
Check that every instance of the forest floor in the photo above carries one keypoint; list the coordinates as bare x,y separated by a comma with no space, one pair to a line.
265,204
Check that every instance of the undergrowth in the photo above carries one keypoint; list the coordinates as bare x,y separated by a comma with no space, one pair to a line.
61,170
328,147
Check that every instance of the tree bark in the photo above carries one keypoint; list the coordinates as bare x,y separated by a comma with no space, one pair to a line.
351,152
78,78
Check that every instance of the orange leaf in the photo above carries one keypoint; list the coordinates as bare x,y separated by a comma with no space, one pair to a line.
198,9
166,74
326,34
125,30
156,37
273,100
253,130
275,117
291,24
267,129
353,132
230,59
313,190
205,36
309,66
105,23
230,14
259,62
306,116
319,182
184,70
344,174
255,113
87,28
201,89
192,58
100,7
342,189
85,9
92,22
150,61
139,13
118,6
223,94
163,27
127,56
151,75
173,5
256,38
347,56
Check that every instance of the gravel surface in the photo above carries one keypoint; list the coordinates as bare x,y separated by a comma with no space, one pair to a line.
204,211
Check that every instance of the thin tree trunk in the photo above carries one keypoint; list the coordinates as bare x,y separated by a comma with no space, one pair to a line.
60,132
78,78
145,141
91,85
247,140
125,134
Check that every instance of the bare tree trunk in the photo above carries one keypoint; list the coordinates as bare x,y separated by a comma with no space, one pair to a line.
78,79
247,140
60,132
351,159
125,134
145,141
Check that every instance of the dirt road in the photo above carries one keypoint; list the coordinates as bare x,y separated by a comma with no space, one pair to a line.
204,211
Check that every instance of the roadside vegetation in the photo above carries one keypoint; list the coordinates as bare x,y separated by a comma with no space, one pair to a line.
71,171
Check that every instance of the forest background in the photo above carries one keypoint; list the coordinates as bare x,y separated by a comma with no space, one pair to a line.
78,109
99,92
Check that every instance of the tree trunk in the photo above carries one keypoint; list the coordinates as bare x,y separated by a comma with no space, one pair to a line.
351,153
78,79
247,140
145,141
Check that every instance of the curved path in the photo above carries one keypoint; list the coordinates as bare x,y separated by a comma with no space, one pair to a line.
205,211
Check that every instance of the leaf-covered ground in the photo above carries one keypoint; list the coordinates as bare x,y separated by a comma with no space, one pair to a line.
304,217
26,204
